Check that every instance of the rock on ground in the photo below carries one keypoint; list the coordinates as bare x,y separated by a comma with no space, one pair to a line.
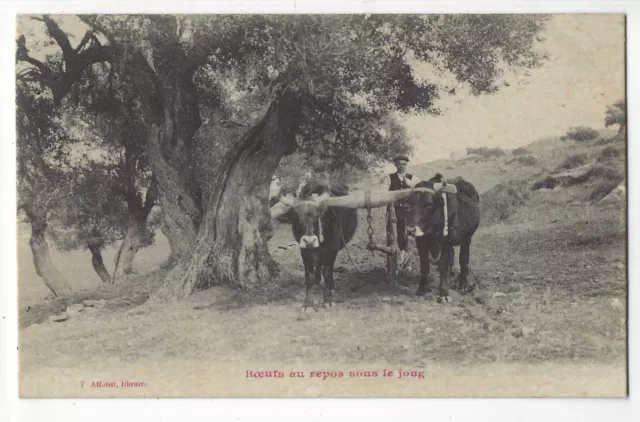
58,318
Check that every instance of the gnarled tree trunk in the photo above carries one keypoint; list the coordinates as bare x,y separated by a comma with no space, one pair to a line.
98,263
236,227
136,230
128,249
41,258
167,90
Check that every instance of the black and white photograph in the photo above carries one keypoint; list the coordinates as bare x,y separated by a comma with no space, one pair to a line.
360,205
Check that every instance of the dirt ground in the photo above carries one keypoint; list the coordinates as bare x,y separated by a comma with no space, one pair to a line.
547,318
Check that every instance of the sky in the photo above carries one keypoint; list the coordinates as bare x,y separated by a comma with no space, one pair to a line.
584,74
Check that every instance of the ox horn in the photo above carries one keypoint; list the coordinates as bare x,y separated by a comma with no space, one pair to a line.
281,208
377,198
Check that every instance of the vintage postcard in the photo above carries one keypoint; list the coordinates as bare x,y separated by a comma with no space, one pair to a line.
321,205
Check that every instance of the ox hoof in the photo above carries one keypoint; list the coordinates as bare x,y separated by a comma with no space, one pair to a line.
445,299
465,289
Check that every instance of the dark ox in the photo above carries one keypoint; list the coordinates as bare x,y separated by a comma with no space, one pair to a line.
424,217
321,231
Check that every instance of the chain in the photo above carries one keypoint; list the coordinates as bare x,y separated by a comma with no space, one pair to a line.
367,197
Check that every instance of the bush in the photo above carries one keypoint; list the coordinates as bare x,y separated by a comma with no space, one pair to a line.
609,153
573,161
525,160
603,189
602,172
501,201
546,183
487,152
521,151
581,133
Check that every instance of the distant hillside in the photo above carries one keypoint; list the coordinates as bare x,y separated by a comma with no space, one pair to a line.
537,158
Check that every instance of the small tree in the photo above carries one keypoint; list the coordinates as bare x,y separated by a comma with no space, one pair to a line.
91,215
110,112
39,137
581,134
617,115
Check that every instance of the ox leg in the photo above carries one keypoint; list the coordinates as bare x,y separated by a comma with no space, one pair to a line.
423,251
464,265
443,269
451,260
308,260
327,273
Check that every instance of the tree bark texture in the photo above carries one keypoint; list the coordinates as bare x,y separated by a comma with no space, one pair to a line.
232,240
44,266
98,263
167,90
136,230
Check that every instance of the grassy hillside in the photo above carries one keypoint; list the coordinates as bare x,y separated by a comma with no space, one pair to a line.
486,172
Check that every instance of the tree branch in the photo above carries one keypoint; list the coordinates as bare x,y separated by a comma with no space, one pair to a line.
75,60
90,21
60,37
151,197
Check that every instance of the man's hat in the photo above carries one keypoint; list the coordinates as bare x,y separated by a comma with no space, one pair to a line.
400,157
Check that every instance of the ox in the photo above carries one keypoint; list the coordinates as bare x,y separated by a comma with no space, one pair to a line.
435,234
321,230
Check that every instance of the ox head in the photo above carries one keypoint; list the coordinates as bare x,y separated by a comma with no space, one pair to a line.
309,213
424,210
309,209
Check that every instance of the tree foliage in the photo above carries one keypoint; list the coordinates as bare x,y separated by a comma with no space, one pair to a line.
40,141
91,210
617,115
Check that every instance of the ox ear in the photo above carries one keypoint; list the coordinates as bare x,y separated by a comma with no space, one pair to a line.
445,187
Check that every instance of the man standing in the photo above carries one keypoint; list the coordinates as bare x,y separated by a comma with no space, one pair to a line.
398,181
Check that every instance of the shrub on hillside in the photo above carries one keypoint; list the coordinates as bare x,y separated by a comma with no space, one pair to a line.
609,140
580,134
600,171
606,172
546,183
603,189
487,152
521,151
525,160
501,201
609,153
573,161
